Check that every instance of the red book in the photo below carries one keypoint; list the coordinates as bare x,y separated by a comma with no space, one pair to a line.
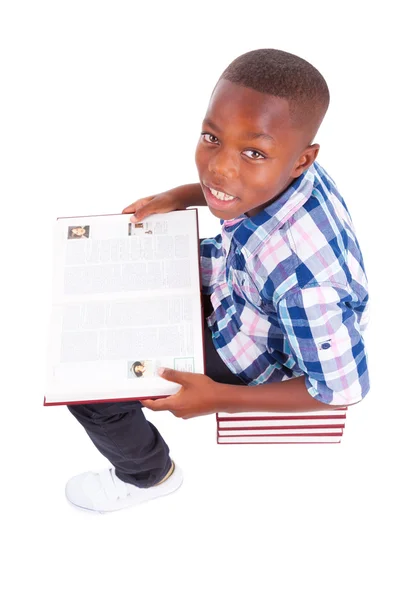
280,439
126,301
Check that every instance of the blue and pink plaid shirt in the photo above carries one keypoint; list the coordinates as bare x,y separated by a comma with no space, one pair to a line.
289,293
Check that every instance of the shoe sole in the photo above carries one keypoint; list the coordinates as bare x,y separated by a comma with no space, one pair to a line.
137,503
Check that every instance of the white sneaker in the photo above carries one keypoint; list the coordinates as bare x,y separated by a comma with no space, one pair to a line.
105,492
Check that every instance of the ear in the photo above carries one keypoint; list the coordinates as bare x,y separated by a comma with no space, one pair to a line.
305,160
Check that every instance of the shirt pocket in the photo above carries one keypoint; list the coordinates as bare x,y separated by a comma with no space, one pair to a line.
243,285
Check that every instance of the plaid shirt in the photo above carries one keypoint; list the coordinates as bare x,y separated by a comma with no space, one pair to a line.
289,293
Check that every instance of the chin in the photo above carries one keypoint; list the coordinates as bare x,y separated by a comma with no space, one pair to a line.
221,214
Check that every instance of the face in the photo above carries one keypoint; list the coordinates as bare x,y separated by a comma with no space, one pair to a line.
78,231
248,152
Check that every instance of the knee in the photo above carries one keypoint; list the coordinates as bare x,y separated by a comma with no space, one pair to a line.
103,412
81,411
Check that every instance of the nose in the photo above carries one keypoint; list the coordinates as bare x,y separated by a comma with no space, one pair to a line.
223,164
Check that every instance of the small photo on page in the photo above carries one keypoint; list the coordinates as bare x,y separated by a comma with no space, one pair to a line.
140,368
139,229
78,232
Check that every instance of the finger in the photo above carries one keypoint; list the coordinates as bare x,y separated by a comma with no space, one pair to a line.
156,405
176,376
152,207
138,204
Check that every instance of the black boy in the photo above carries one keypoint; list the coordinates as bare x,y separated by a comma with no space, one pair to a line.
284,283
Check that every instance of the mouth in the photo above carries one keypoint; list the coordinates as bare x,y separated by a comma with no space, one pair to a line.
218,199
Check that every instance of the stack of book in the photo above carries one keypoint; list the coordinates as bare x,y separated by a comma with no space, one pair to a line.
273,427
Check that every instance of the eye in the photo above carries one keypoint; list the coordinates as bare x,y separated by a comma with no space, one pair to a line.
209,138
255,154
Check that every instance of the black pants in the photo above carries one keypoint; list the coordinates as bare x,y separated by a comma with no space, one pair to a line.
121,432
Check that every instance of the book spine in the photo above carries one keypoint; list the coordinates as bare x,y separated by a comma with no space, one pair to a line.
275,431
279,423
340,412
308,439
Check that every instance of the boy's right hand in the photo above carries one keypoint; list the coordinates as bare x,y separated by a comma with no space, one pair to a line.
160,203
178,198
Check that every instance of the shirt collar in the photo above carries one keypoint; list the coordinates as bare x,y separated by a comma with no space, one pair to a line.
250,232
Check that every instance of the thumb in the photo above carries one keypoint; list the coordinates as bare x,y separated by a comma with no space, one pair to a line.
137,206
173,375
140,215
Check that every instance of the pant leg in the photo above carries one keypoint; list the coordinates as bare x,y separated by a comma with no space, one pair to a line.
121,432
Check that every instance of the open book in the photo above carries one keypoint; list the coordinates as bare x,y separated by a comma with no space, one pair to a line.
126,301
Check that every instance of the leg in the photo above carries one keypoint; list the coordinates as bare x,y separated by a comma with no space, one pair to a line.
120,431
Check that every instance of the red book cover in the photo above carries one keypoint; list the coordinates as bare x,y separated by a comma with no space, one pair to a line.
309,439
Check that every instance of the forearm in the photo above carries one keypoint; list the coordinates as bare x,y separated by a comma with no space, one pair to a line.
189,195
284,396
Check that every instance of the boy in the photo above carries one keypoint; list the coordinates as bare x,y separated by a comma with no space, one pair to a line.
285,293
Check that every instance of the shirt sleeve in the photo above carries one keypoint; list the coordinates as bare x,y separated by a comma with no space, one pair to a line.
325,337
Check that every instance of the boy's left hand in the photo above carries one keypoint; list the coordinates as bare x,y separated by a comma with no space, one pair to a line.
197,396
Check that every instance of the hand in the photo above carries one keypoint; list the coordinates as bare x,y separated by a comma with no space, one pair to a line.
198,395
160,203
178,198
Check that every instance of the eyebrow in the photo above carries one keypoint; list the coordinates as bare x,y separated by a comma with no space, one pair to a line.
249,135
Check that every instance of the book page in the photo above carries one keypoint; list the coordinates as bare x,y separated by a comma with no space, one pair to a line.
124,306
110,256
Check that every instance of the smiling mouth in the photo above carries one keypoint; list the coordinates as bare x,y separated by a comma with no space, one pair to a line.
222,196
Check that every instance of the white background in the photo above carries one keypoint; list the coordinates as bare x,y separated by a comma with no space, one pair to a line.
101,104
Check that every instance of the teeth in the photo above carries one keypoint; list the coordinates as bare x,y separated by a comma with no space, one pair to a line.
221,195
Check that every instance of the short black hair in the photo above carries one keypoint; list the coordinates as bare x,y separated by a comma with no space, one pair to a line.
285,75
136,364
